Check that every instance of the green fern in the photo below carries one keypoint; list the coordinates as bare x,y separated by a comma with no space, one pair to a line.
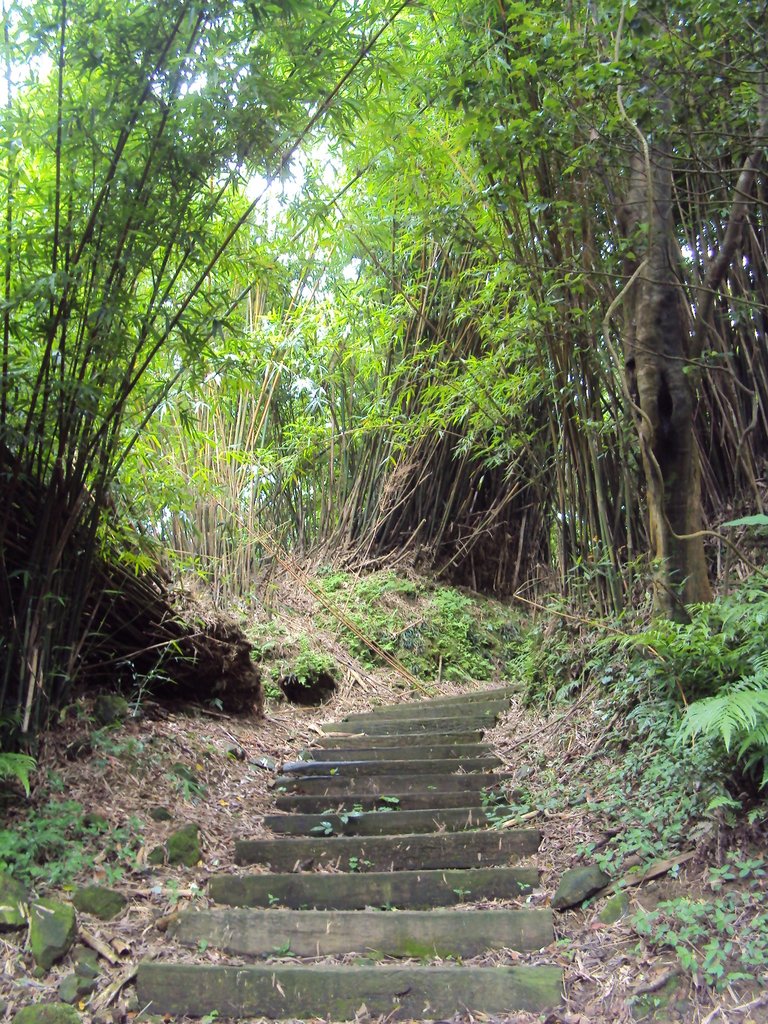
737,717
17,766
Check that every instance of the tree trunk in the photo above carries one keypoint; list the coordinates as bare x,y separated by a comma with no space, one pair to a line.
657,340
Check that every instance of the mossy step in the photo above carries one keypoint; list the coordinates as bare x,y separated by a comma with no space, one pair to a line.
303,803
391,853
278,992
353,739
339,785
410,726
400,933
384,822
430,710
348,769
421,751
412,890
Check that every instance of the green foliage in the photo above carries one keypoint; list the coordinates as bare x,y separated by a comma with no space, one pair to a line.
431,632
457,636
545,661
720,940
142,139
718,663
650,792
324,828
188,785
17,766
738,718
657,796
388,803
55,844
704,680
310,664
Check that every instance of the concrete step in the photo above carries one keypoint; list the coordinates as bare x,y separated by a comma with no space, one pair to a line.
398,933
379,823
427,710
411,766
353,739
505,692
409,726
391,853
413,890
278,992
382,785
303,803
422,752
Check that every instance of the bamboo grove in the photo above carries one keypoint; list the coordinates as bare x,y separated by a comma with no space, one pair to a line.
431,336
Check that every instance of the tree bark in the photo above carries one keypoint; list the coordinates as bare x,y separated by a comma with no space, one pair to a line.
657,340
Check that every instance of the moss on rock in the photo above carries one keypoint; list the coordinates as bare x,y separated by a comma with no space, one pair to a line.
183,846
52,930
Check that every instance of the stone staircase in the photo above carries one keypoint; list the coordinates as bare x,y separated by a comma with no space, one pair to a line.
381,836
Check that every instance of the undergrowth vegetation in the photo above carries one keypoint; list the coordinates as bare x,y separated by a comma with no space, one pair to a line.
704,682
721,939
436,632
61,841
674,760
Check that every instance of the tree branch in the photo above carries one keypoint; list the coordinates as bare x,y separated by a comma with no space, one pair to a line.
742,201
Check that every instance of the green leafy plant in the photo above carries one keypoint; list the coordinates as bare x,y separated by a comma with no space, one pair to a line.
458,640
719,941
346,816
310,664
324,828
388,803
190,787
718,664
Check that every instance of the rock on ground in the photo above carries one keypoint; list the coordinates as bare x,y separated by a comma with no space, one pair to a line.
52,930
577,885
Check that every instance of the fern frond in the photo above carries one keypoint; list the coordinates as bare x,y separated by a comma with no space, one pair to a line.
760,666
17,766
734,711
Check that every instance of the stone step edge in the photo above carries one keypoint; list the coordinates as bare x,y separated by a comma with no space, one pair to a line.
449,765
406,889
471,696
381,822
341,741
302,992
303,803
409,726
385,785
399,933
397,752
426,711
472,848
